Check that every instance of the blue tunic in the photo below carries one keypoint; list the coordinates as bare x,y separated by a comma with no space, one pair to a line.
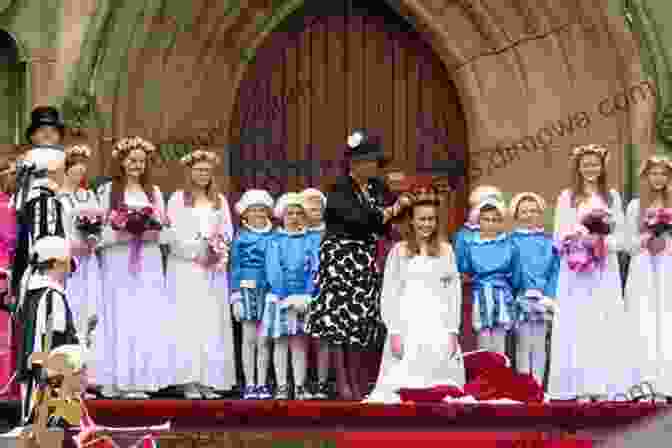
248,264
292,262
539,267
495,270
463,236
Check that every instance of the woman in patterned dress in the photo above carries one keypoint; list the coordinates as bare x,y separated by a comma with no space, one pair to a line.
84,287
133,264
346,313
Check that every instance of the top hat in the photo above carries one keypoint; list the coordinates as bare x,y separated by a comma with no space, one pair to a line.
45,116
361,147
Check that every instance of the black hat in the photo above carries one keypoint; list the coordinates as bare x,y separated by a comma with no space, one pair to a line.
44,116
363,147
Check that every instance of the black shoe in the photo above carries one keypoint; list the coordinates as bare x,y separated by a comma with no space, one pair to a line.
301,393
321,391
282,393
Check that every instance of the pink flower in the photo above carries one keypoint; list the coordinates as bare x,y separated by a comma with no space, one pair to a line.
577,260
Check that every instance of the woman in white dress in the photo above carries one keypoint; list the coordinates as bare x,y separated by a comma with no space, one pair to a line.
137,306
421,306
588,339
647,290
84,287
204,355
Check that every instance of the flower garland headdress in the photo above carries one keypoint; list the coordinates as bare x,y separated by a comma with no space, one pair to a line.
78,150
127,144
600,150
657,159
200,156
517,199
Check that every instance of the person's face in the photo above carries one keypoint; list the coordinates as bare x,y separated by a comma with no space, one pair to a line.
395,179
365,169
442,185
529,213
659,177
590,167
294,218
76,173
313,208
256,216
490,221
135,163
425,221
201,174
46,135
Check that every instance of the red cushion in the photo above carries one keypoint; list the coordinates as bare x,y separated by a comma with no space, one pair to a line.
431,394
505,383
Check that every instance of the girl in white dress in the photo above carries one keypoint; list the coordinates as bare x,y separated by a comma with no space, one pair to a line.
204,356
84,287
137,305
647,290
588,342
421,307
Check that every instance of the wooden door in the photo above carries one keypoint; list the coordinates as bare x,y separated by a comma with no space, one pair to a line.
335,66
10,95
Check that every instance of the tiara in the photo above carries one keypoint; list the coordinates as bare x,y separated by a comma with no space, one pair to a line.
591,149
78,150
200,156
127,144
655,160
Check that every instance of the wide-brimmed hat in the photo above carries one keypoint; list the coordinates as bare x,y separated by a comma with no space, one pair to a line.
45,116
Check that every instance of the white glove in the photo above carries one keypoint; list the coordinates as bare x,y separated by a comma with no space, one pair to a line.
298,302
237,300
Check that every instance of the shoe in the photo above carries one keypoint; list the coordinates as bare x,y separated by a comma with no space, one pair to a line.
264,392
208,393
250,392
192,392
134,395
322,391
109,391
301,393
282,393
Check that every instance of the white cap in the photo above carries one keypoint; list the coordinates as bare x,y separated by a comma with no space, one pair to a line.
285,201
44,157
254,197
492,202
480,193
51,248
314,192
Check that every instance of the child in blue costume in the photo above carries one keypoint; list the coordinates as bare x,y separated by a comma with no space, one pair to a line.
470,228
292,261
249,286
491,259
539,266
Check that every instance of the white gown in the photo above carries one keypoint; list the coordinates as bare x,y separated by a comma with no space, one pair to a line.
589,346
648,297
424,310
204,351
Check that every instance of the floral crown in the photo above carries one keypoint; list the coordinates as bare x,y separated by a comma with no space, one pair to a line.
601,151
655,160
200,156
127,144
78,150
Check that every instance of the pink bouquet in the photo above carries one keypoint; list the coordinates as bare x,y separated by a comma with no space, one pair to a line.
598,222
582,255
216,251
135,221
90,224
657,222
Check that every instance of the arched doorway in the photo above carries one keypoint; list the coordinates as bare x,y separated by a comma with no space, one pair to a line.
12,72
335,66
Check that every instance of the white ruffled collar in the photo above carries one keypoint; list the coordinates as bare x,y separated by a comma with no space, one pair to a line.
529,231
500,237
319,228
284,231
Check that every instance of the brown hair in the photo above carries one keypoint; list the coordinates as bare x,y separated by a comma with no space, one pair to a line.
212,190
648,194
578,189
119,180
408,232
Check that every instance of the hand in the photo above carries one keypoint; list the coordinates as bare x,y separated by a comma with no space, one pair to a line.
405,200
656,245
396,346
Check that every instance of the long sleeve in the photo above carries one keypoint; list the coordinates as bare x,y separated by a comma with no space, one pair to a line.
454,297
181,238
8,228
616,241
551,289
343,208
225,222
463,257
392,285
274,269
235,265
516,270
632,233
104,194
565,216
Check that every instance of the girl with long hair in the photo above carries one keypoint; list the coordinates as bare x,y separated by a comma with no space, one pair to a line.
84,287
421,306
133,267
647,290
586,348
197,277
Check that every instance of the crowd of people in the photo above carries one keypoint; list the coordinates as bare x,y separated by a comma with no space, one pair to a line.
151,288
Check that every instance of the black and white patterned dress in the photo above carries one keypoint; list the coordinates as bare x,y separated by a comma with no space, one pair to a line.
347,310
